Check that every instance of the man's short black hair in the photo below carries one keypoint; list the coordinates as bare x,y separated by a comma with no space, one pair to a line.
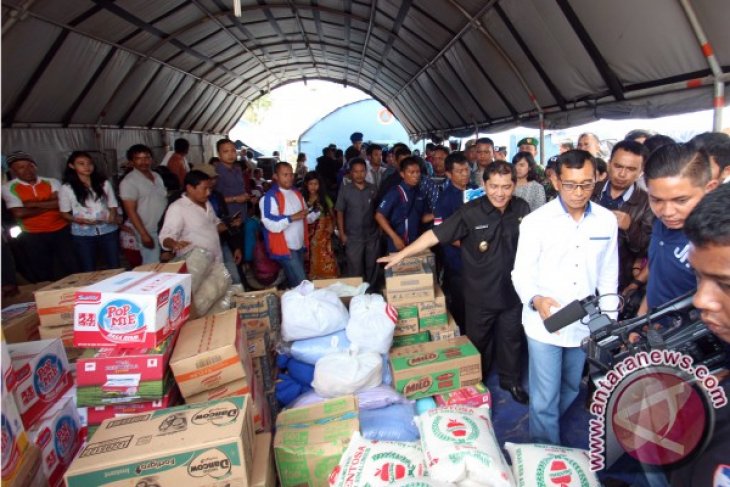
636,148
401,151
574,159
357,160
137,149
455,158
222,142
371,148
484,140
655,141
638,134
181,145
601,166
281,164
441,148
678,160
408,162
195,177
709,222
430,146
708,139
720,152
499,167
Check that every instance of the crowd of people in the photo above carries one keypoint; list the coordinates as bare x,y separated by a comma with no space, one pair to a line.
535,238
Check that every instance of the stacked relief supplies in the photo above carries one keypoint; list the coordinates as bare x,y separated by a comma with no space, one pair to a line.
127,326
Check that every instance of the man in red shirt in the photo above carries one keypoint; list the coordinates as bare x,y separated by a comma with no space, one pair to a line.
46,238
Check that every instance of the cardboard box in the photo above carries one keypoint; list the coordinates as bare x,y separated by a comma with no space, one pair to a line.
210,352
8,374
28,472
426,257
348,281
474,396
309,441
42,376
259,310
238,387
194,445
405,340
97,414
179,267
58,435
444,332
417,275
56,300
124,390
97,366
25,294
65,333
259,343
14,438
264,372
264,471
433,313
20,323
407,323
432,368
131,310
414,296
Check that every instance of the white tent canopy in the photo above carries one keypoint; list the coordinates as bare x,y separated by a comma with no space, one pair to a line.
442,67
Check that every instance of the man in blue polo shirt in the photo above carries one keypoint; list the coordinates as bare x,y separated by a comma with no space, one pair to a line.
400,212
451,199
678,176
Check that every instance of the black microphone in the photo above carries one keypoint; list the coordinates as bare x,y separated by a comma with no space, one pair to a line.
566,315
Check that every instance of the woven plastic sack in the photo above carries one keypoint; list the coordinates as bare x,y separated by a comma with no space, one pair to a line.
534,464
372,323
309,313
312,349
377,463
460,447
338,374
422,482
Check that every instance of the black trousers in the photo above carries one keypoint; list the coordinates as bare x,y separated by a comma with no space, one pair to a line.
497,334
454,291
50,255
362,255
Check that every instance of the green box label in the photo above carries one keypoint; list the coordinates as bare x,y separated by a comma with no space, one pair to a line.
403,340
435,320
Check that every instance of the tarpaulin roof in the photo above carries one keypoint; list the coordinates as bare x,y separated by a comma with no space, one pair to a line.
442,67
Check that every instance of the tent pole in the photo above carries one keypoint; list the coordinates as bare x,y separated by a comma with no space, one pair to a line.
542,138
707,51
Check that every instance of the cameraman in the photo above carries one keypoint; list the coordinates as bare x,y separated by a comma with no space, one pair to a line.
708,230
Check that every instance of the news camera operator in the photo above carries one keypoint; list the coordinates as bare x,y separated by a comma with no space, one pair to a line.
708,230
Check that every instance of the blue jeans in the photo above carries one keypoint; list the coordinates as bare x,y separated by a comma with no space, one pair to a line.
294,267
87,247
555,375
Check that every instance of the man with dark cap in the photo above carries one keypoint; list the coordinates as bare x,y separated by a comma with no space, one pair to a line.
528,144
354,150
33,202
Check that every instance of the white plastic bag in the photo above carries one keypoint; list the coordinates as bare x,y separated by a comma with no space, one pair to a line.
372,323
460,446
534,464
312,349
344,290
212,289
338,374
377,463
308,313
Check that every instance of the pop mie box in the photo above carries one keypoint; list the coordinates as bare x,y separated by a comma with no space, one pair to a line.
96,366
14,438
42,376
131,310
310,440
196,445
58,434
56,301
211,351
432,368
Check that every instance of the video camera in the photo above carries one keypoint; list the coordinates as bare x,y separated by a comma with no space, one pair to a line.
610,341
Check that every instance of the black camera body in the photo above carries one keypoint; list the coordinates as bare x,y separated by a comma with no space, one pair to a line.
611,341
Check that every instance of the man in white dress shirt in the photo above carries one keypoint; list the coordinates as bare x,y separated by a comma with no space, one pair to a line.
567,250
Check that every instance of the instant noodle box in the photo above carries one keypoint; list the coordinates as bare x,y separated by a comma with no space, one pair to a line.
56,300
42,376
58,434
259,310
14,437
210,352
432,368
20,323
131,310
97,414
178,267
207,444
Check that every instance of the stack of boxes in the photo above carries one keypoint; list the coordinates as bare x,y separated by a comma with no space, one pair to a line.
260,315
428,355
127,326
211,361
55,307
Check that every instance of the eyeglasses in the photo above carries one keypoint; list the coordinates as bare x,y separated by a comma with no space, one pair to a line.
573,186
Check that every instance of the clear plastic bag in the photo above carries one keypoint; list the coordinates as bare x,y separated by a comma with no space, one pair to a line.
212,289
338,374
